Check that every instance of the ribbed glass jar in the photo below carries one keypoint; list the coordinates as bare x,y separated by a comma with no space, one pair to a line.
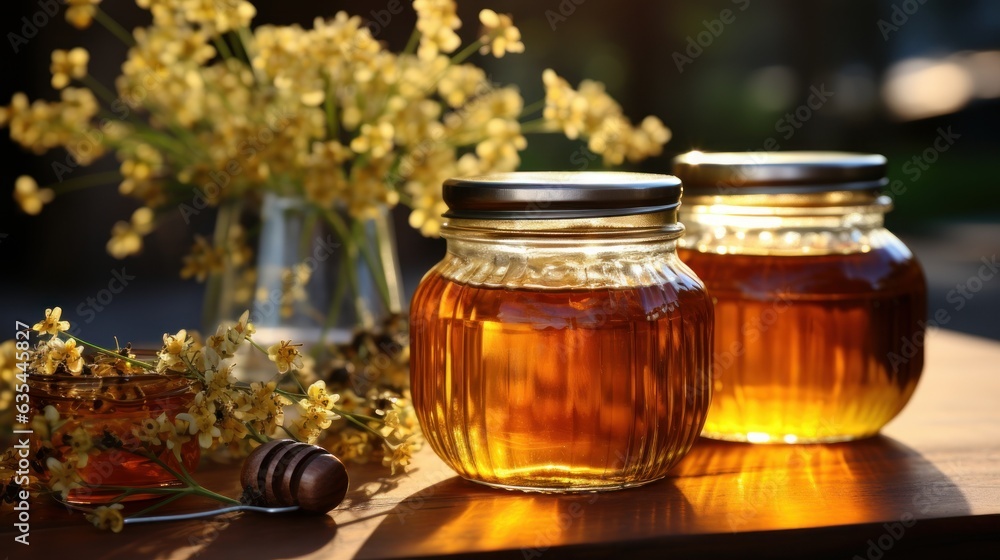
561,345
819,309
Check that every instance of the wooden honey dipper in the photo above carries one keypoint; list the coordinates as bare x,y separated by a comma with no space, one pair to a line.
289,476
289,473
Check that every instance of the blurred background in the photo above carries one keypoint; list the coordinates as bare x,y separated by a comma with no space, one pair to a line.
890,77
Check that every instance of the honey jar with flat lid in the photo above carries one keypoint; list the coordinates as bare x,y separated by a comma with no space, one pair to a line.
561,345
819,309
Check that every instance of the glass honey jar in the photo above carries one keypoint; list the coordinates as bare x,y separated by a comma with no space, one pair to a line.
819,309
561,345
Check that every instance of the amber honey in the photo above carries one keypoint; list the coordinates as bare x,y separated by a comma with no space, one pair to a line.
560,389
109,409
812,348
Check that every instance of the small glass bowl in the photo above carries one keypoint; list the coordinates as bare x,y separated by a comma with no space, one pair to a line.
110,408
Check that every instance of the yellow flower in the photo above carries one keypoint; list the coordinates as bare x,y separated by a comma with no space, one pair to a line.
397,456
611,140
315,416
72,356
81,443
352,446
500,34
107,517
218,382
63,477
436,22
173,433
285,355
648,139
264,407
318,396
201,420
68,65
8,376
81,12
45,423
176,348
231,429
52,323
148,431
462,82
203,260
126,237
376,139
29,196
499,151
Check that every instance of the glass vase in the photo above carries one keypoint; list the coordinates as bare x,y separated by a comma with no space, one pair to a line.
314,276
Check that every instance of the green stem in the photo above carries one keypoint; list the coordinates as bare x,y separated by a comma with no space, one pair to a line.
250,48
158,505
222,47
113,26
388,254
85,182
374,264
533,108
206,493
467,52
255,434
257,346
290,434
351,252
537,125
294,396
102,91
238,49
333,128
365,427
333,312
111,352
211,308
411,45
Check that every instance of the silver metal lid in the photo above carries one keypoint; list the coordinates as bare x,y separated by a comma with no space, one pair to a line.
736,173
558,195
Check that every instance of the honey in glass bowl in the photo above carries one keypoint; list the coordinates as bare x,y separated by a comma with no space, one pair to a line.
561,345
109,409
819,309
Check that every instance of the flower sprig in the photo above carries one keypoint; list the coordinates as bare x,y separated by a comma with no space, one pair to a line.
326,113
223,414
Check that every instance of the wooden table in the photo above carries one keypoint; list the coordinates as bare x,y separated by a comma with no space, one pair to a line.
930,484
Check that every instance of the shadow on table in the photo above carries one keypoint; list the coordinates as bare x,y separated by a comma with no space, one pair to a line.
253,536
722,498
